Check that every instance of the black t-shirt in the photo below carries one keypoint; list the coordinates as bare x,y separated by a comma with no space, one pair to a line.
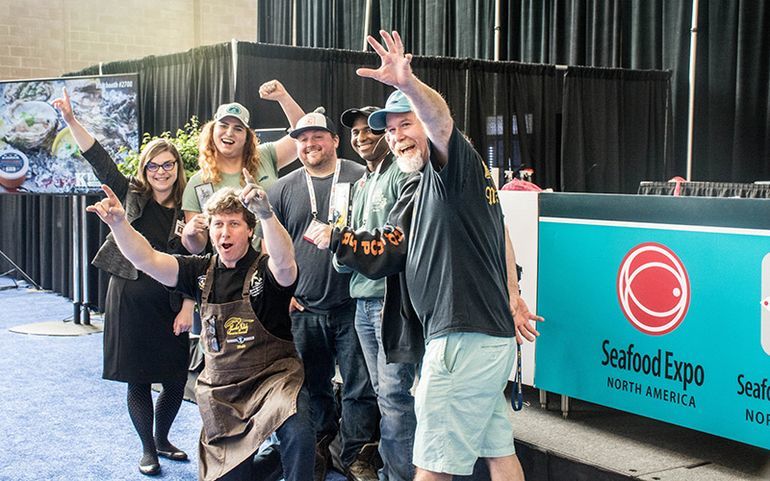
455,269
320,288
269,300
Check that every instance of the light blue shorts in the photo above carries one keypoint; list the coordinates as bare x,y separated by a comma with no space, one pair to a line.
462,413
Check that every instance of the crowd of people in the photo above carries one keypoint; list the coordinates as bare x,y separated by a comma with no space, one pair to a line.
290,285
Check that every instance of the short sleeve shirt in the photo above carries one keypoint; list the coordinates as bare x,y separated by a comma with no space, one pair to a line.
455,269
320,288
269,300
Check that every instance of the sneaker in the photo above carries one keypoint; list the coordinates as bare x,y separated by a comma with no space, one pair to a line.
360,470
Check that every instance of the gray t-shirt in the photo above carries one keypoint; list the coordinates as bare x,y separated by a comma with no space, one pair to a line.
455,268
319,288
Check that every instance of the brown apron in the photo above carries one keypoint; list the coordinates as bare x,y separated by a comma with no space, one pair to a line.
248,388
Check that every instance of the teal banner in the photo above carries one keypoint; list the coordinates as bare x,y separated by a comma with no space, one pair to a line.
659,307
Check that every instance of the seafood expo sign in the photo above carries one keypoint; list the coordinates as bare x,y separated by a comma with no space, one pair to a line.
658,306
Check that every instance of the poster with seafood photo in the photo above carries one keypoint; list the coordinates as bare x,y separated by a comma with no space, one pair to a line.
37,151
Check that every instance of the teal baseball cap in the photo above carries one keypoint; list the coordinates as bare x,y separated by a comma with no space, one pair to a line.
397,104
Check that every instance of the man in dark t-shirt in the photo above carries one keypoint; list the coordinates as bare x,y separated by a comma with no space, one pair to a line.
456,278
252,382
322,312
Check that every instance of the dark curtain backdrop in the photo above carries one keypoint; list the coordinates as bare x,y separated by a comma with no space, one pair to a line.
732,133
503,92
615,126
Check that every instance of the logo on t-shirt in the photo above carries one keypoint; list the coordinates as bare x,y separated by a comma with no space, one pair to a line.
256,285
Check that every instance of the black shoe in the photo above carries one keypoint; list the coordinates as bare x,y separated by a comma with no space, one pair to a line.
149,465
173,453
360,470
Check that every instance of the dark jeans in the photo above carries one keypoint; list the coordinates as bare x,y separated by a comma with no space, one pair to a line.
322,339
296,446
392,383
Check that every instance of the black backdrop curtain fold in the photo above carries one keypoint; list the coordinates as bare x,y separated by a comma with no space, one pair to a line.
513,115
614,129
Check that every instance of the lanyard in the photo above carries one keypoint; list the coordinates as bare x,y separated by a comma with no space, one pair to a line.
369,192
332,191
517,399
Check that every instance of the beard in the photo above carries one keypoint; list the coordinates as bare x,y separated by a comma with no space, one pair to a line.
411,162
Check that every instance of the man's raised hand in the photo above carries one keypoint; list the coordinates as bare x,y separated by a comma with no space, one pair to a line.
395,69
254,198
109,209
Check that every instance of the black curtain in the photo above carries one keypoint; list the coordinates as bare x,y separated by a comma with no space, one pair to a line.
513,116
732,129
615,128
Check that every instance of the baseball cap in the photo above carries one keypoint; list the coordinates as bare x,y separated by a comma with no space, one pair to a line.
349,116
233,109
397,103
314,121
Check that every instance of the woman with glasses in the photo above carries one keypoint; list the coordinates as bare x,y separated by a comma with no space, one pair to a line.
145,326
227,146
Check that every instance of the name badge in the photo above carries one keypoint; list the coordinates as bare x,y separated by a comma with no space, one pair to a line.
311,230
203,192
179,228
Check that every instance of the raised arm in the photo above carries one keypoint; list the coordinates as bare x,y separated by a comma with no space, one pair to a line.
285,147
429,106
277,241
103,165
158,265
82,137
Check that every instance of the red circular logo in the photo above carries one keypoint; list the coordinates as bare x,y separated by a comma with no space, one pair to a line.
653,288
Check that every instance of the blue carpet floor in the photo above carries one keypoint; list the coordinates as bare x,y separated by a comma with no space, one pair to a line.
58,419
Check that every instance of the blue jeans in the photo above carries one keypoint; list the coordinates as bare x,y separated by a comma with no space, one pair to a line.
296,445
322,339
392,383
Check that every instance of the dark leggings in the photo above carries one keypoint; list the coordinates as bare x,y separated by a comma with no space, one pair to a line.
166,408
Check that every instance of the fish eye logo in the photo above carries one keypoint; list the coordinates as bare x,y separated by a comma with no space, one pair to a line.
653,288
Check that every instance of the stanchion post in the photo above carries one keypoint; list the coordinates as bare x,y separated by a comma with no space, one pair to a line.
75,253
85,306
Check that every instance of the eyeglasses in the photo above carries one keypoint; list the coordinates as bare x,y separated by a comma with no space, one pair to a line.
211,330
167,166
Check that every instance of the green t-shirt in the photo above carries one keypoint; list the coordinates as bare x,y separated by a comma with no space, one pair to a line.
376,192
266,175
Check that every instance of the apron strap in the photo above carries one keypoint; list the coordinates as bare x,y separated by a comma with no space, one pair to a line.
208,282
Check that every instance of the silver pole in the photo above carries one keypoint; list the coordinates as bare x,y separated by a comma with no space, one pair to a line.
497,30
294,23
86,313
367,14
691,102
75,252
234,53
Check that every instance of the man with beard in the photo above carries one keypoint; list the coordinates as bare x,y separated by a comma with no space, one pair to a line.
456,277
322,312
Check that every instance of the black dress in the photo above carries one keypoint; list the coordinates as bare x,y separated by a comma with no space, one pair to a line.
139,341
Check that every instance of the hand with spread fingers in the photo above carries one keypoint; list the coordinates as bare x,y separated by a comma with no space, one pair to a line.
109,209
395,69
255,198
522,319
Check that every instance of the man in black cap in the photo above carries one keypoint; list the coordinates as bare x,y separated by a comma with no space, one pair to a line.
373,197
322,311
